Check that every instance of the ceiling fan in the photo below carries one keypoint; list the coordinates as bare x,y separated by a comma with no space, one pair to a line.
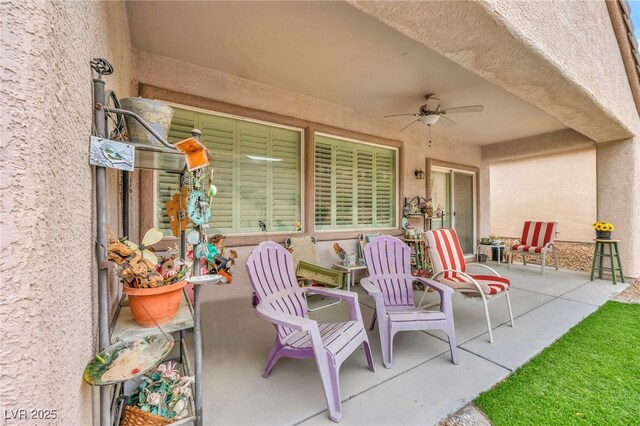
431,113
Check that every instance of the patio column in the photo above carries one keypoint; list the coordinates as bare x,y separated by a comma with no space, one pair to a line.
618,196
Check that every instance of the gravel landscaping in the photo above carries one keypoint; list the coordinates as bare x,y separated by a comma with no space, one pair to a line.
469,415
631,294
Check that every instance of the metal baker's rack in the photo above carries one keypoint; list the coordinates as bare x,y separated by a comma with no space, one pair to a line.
148,157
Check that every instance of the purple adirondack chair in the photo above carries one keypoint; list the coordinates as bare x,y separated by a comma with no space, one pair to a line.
391,284
281,302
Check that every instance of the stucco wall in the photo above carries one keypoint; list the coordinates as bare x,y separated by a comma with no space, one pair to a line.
48,316
560,188
192,79
558,32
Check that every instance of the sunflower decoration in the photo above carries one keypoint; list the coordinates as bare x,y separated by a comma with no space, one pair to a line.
603,226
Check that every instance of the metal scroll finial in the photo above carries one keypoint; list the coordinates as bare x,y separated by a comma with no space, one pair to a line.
101,66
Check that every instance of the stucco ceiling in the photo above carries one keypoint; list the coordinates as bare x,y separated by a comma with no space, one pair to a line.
331,51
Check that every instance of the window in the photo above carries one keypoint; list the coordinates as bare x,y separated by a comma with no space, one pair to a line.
257,173
355,185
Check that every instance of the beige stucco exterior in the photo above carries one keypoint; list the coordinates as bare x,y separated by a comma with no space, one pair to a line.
546,55
48,317
559,188
48,306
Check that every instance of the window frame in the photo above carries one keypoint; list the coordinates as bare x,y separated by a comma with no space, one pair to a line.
396,186
175,96
301,178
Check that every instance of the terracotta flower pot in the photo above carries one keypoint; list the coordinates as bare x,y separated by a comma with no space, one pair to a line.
159,303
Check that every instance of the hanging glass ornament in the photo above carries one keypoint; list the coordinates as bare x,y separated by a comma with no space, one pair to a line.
213,190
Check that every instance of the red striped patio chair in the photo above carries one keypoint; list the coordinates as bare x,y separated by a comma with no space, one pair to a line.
450,268
537,239
281,302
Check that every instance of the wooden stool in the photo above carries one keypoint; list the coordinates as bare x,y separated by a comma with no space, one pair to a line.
614,257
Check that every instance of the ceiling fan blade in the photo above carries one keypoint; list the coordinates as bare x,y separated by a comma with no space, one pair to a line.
415,121
400,115
447,122
459,110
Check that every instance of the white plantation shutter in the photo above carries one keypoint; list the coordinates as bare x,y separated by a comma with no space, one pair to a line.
354,185
385,188
285,179
218,135
323,182
249,190
366,193
252,176
344,173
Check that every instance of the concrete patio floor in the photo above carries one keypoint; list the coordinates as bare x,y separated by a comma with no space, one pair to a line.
422,387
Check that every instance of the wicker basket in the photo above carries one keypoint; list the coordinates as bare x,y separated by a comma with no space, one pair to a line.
133,416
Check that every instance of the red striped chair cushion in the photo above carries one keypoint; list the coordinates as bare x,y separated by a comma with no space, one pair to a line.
490,284
445,251
535,235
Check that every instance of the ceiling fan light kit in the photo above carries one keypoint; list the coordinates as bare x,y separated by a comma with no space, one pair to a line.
429,119
430,113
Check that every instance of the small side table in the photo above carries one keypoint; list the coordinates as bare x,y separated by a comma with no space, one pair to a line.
500,248
614,258
350,272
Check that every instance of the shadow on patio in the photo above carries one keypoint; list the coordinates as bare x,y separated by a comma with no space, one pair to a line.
422,387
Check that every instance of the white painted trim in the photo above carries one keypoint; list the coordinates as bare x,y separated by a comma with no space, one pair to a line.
227,115
377,145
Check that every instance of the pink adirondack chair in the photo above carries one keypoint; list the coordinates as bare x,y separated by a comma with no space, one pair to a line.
450,268
281,302
391,284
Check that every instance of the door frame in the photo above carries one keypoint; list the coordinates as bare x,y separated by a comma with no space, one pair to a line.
443,166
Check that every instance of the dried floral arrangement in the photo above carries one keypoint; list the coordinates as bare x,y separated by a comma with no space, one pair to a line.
140,268
163,393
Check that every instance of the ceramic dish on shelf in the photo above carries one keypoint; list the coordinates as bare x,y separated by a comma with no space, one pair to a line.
127,359
206,279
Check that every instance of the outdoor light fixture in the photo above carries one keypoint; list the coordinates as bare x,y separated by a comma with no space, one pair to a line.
419,174
429,119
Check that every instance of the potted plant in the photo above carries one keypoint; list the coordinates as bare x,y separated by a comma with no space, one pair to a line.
426,207
161,398
603,230
154,287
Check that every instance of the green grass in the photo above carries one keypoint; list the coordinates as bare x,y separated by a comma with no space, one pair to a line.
590,376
